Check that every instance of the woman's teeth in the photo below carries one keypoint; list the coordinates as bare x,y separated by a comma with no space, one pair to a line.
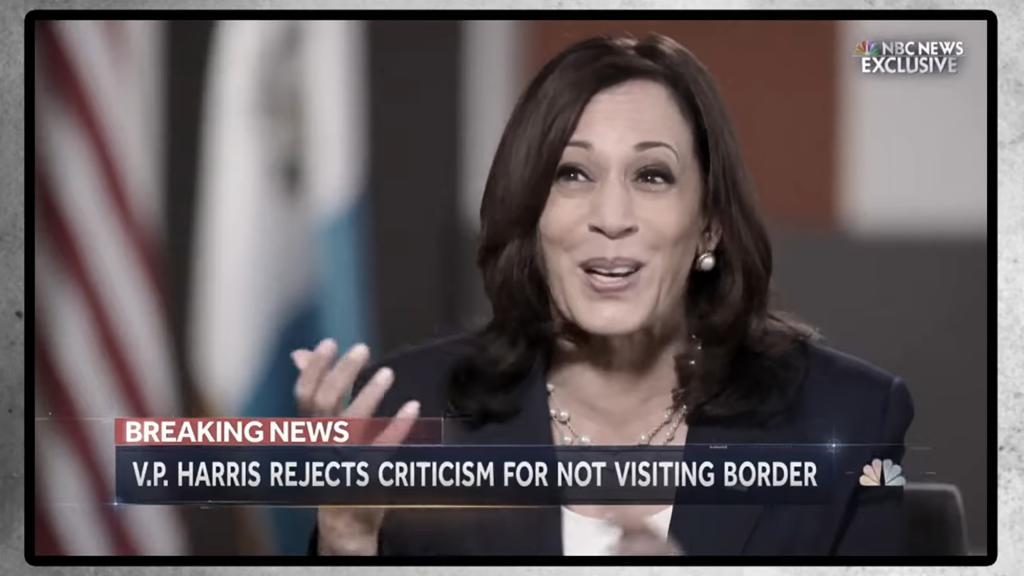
617,272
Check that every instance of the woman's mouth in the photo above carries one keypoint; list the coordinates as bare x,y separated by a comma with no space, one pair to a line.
610,275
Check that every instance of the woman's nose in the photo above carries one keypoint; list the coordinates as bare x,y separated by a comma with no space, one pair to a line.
611,213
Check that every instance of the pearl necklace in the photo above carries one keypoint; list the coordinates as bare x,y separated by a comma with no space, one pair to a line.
564,419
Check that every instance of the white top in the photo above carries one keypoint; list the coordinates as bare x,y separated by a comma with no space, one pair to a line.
589,536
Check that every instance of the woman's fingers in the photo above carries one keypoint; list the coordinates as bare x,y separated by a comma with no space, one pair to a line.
365,404
317,364
301,357
320,390
645,543
645,546
338,380
400,425
638,539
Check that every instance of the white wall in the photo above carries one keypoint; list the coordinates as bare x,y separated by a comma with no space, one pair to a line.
913,148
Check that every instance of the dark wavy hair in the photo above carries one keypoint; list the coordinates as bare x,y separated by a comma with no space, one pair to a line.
746,365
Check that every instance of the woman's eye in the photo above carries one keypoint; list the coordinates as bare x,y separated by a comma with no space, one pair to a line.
569,173
655,176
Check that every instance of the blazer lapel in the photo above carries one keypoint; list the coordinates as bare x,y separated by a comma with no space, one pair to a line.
716,529
514,531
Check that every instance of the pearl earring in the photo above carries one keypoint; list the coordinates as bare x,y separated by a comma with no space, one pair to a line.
706,261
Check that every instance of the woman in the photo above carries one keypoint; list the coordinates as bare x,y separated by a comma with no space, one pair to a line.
628,272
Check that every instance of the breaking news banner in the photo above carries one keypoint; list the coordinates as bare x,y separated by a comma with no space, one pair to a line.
325,461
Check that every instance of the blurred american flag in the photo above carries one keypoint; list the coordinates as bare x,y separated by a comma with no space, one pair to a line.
102,344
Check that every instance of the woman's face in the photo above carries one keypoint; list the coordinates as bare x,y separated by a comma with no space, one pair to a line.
622,222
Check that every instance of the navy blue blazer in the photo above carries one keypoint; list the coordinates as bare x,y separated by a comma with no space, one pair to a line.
841,398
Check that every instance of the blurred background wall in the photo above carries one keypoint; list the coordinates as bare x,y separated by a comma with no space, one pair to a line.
212,195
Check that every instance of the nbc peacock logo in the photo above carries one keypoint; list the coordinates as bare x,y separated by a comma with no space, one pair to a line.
866,48
882,473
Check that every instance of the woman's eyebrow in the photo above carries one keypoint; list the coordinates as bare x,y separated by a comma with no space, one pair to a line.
641,146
